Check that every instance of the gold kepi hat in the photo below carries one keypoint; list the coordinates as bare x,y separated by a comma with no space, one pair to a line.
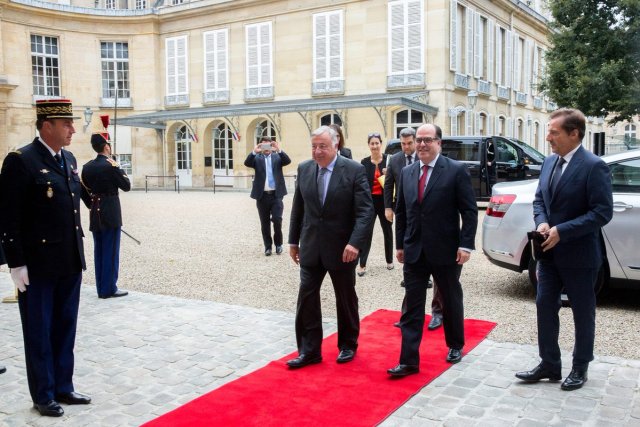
54,109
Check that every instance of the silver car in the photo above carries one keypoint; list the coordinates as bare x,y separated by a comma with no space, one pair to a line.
510,215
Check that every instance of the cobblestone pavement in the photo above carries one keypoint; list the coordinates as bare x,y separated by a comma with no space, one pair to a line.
143,355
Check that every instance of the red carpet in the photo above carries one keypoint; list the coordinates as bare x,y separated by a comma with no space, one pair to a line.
359,393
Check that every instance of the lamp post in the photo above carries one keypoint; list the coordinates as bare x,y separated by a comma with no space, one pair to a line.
87,118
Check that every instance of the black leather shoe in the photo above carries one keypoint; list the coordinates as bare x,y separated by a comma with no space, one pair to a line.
435,322
402,284
279,249
454,355
267,252
120,293
397,325
403,370
538,373
304,360
575,380
2,369
49,409
73,398
346,355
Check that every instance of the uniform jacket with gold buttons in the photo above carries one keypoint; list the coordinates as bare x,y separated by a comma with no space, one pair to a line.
103,177
40,212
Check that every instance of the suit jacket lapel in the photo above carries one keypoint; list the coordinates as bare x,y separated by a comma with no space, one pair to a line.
570,170
437,170
412,183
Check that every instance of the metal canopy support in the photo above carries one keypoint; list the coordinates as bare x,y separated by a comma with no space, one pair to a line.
306,116
275,120
382,113
234,122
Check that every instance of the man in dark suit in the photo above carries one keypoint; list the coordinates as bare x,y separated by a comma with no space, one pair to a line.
268,189
434,195
572,203
103,177
2,262
398,162
42,240
330,218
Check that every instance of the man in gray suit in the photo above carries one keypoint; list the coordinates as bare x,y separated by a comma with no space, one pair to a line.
330,217
268,189
398,162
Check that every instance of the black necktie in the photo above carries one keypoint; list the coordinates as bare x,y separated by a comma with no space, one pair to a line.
557,173
409,160
58,158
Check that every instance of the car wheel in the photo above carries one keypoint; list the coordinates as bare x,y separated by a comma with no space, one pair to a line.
599,287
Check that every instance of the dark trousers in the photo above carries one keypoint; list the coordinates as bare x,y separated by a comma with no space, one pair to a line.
270,210
436,301
49,314
378,206
578,283
106,259
309,314
412,321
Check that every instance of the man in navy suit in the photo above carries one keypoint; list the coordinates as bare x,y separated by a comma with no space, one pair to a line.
572,203
434,196
330,219
42,240
268,189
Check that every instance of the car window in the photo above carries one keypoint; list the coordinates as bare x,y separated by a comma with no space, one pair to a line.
459,150
505,153
537,156
625,176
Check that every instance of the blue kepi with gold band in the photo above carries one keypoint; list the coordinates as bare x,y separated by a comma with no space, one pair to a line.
47,109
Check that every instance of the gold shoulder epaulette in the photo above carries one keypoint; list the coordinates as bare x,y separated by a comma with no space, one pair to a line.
113,162
16,152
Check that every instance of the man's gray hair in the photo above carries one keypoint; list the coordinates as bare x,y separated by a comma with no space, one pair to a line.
408,132
326,129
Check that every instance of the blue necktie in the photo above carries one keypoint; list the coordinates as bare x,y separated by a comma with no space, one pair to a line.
557,173
270,180
58,158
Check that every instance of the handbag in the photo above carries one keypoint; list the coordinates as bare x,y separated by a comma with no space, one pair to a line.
535,244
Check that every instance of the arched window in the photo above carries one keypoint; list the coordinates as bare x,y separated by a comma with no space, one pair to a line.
330,119
407,119
265,128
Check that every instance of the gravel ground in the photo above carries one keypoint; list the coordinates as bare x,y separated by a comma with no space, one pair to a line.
207,246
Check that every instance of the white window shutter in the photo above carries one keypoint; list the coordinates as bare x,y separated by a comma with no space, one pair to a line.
527,66
476,124
489,130
265,54
496,126
499,79
517,62
478,46
508,58
397,37
490,49
469,42
182,65
252,56
335,45
453,120
535,77
509,127
468,121
320,32
170,51
222,64
415,36
453,36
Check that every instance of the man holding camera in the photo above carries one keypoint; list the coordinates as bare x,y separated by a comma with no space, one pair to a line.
268,189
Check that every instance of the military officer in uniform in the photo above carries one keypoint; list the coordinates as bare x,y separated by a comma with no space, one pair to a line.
102,177
42,239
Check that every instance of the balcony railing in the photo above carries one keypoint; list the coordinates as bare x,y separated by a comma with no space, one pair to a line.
176,100
537,102
215,96
521,98
461,80
258,93
327,87
484,87
111,102
401,81
503,92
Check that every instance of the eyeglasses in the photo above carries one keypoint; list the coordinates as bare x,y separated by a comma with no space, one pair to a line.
427,140
374,135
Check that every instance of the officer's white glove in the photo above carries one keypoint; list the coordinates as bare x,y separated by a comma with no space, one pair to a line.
20,277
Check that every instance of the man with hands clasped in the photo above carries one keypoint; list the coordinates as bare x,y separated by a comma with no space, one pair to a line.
268,189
